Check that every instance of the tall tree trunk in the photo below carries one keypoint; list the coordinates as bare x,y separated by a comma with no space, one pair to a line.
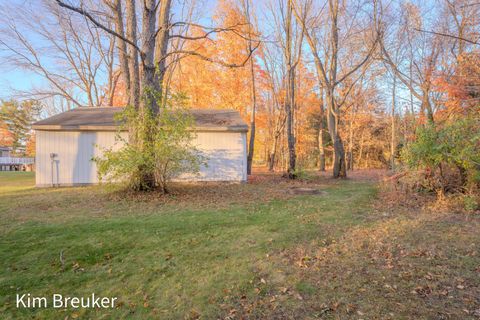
339,161
272,155
149,99
134,96
350,141
427,106
148,102
122,46
321,146
290,98
161,46
251,144
292,157
360,152
393,143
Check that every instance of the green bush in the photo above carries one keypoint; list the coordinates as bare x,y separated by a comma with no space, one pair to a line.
301,174
159,148
439,150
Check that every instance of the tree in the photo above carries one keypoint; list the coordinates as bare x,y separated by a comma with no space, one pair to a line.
75,60
6,137
288,37
271,81
413,56
154,53
332,71
460,87
16,119
168,153
292,61
253,93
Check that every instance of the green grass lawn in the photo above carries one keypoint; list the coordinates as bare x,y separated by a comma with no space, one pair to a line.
250,250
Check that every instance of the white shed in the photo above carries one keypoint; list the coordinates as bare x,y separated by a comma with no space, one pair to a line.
67,142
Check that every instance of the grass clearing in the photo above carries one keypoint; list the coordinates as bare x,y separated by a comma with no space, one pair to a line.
234,251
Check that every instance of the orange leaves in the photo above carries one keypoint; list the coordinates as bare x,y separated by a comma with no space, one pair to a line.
210,85
6,137
30,146
462,89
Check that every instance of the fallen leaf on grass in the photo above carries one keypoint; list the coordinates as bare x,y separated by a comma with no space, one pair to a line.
194,314
334,306
422,291
443,292
76,267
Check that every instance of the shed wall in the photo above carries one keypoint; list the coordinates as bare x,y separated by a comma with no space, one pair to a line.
226,153
73,163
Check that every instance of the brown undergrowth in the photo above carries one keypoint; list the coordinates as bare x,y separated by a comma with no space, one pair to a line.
261,187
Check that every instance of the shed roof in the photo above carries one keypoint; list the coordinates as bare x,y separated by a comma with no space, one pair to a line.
102,119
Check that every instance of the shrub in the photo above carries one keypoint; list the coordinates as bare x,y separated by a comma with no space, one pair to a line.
301,174
449,155
158,149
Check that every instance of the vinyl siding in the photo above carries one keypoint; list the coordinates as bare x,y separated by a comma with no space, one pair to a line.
226,153
75,150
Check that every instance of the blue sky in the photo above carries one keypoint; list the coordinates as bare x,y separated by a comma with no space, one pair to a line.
16,78
13,79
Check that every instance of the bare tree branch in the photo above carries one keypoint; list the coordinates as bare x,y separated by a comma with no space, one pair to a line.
448,35
98,24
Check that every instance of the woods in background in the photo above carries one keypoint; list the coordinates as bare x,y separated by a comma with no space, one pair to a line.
15,125
328,84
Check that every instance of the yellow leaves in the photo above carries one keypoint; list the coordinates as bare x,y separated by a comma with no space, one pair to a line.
193,315
304,261
76,267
